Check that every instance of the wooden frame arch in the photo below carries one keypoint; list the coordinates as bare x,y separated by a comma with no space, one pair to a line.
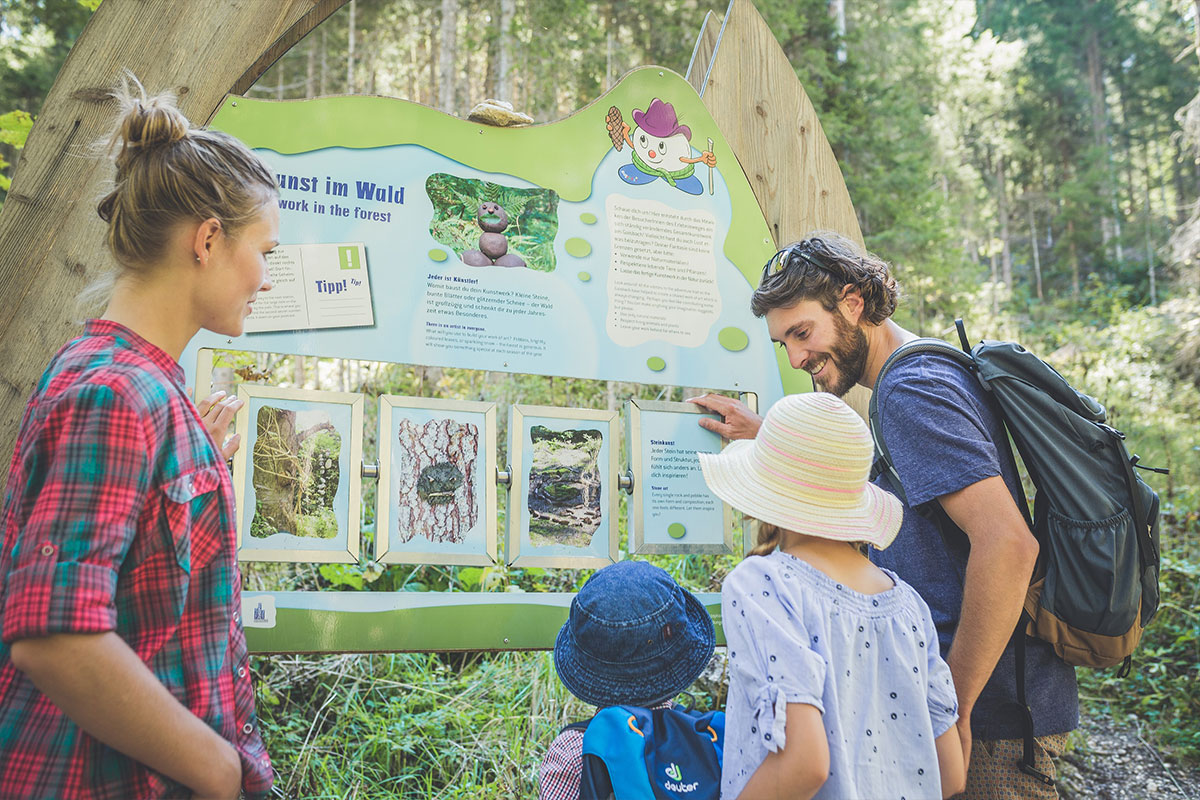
49,233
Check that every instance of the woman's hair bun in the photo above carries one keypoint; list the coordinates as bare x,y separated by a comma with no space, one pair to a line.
152,122
144,123
168,172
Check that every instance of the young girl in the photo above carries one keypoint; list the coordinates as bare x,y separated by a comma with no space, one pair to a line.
123,666
837,689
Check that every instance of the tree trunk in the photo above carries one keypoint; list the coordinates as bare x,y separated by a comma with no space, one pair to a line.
310,73
995,275
324,64
837,9
508,10
436,477
1074,257
350,51
610,45
1149,245
1162,182
446,53
432,84
1095,79
371,69
1037,259
415,59
1002,212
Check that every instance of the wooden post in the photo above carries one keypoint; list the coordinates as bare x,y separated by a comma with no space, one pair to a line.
751,90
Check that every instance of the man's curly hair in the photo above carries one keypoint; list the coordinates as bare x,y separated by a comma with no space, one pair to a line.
817,268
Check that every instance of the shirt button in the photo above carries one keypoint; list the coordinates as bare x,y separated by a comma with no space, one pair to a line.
237,617
241,672
247,729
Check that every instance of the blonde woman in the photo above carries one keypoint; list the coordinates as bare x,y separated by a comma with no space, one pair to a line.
123,666
837,688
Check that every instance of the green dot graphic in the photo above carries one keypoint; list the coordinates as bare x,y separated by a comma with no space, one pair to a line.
733,339
578,247
438,255
655,363
587,218
585,276
676,530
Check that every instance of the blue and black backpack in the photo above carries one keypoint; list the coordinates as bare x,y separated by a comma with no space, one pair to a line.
632,753
1095,586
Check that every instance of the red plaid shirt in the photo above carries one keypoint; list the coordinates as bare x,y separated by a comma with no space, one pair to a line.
118,516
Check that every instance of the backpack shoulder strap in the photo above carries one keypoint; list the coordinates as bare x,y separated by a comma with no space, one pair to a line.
916,346
617,736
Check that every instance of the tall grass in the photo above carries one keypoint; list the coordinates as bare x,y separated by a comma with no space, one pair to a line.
411,726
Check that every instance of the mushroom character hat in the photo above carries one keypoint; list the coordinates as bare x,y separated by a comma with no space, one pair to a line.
659,120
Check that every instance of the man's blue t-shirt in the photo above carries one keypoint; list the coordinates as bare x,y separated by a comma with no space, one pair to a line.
942,428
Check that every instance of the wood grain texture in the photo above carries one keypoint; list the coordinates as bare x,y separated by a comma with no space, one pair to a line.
702,53
50,236
759,104
439,451
766,116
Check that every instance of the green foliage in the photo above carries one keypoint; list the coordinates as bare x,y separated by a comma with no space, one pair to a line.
14,129
319,524
35,36
342,575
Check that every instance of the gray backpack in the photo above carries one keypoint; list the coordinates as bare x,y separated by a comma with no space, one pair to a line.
1095,586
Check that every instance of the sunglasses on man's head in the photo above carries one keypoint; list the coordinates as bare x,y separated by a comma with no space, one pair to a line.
779,261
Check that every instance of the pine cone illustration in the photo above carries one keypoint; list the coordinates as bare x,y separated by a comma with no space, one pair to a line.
615,127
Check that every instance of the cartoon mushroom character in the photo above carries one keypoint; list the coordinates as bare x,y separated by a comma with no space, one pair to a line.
493,244
661,147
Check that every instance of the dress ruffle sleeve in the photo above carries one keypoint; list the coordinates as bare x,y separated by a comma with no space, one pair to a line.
770,652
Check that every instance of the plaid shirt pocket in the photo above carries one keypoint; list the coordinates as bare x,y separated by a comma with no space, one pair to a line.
192,511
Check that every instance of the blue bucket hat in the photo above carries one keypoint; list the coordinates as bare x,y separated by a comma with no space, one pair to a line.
634,637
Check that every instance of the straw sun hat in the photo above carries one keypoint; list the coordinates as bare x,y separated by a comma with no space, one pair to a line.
806,471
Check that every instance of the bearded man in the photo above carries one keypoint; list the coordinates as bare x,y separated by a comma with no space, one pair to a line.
829,305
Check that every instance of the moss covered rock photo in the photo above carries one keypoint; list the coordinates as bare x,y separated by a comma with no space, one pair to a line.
564,487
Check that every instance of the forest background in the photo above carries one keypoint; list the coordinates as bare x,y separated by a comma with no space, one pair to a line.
1030,166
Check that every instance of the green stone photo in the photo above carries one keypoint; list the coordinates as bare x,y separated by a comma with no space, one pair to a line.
486,224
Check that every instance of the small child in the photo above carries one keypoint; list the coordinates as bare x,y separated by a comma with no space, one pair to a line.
837,688
634,637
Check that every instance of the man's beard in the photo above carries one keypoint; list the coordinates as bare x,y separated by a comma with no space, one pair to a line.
848,354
